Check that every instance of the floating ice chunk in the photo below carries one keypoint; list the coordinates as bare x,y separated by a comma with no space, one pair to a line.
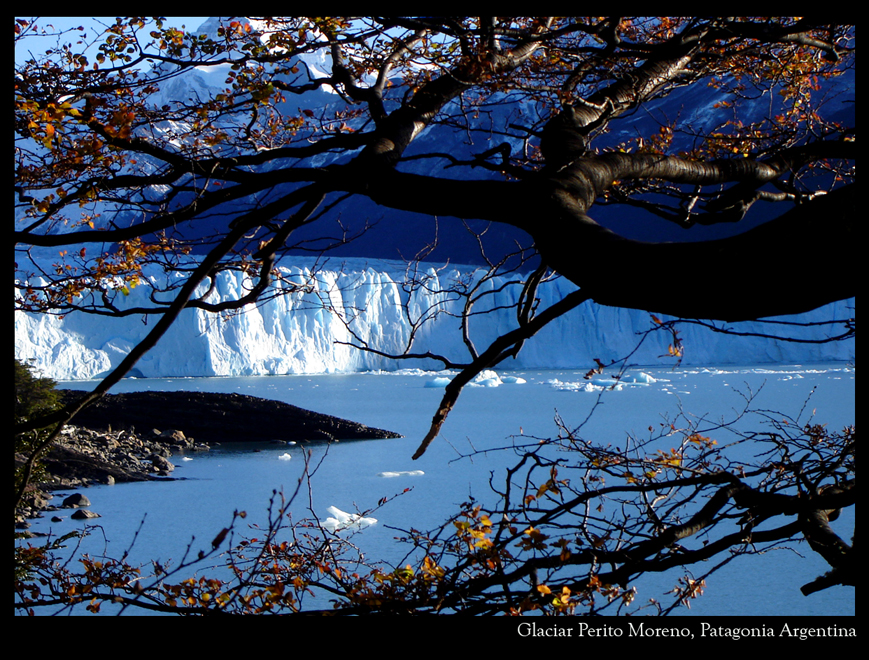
342,520
402,372
562,386
607,382
640,378
401,473
285,457
599,383
486,378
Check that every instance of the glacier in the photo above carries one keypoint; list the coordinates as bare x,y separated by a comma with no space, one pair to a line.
312,315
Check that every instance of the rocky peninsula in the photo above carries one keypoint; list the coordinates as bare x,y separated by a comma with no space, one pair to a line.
211,417
133,436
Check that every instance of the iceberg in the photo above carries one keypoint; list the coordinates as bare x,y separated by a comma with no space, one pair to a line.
401,473
486,378
310,329
340,520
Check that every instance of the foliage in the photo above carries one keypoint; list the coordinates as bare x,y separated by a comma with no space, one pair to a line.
34,396
121,184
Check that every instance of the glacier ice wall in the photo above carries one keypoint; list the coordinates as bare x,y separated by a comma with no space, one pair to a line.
310,327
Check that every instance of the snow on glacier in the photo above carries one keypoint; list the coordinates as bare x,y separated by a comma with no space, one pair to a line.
309,331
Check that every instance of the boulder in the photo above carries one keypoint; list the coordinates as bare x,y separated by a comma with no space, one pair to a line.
176,438
84,514
76,500
161,463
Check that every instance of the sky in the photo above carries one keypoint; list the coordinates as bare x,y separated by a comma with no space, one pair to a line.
92,27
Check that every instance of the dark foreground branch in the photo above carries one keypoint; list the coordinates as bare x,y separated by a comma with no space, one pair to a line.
499,350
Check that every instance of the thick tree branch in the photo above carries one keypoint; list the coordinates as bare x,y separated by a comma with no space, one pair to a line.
766,271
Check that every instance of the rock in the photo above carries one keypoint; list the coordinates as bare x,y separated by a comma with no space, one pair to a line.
161,450
161,463
76,500
75,461
109,442
35,499
176,438
84,514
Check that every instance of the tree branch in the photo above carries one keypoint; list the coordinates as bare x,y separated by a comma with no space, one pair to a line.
497,351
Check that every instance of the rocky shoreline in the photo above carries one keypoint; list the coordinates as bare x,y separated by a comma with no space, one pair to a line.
82,457
132,437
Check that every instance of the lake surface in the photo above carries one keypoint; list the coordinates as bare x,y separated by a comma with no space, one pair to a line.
216,483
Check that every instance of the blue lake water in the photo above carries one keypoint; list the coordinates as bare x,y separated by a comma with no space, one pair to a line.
216,483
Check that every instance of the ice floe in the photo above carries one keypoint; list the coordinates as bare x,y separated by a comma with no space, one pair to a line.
340,520
598,383
401,473
486,378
